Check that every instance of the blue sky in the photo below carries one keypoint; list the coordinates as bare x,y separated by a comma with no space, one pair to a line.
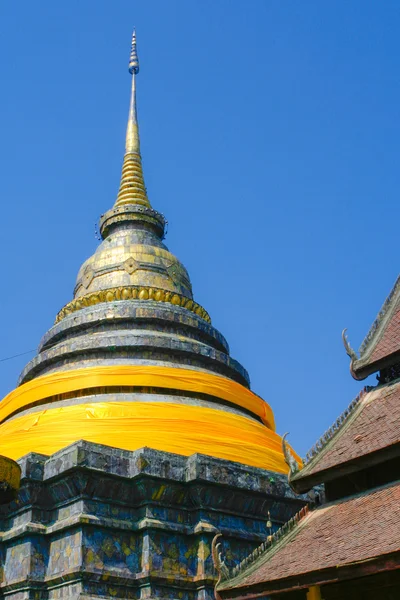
270,139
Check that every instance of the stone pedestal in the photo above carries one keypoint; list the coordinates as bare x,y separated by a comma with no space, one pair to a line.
94,522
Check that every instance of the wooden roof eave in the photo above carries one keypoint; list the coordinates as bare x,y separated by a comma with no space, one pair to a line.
332,575
360,366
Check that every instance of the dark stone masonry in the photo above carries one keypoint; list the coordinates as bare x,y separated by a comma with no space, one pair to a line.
93,521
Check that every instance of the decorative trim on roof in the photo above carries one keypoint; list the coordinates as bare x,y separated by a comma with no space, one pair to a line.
269,543
289,459
352,354
335,428
349,350
219,564
382,313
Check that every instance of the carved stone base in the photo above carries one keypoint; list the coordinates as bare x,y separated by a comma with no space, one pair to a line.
93,521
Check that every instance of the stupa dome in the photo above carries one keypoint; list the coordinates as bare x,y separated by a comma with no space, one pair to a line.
133,360
133,257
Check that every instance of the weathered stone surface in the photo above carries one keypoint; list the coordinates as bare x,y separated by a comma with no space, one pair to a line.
93,521
137,333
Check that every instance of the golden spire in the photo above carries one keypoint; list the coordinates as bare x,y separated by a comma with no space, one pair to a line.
132,189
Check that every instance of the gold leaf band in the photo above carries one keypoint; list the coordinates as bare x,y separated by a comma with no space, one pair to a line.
132,293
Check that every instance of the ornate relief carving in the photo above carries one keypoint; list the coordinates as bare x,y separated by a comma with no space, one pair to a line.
130,265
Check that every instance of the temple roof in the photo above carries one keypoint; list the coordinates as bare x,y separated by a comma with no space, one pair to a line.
355,531
370,427
381,346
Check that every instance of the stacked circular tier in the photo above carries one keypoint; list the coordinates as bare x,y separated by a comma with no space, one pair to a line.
133,360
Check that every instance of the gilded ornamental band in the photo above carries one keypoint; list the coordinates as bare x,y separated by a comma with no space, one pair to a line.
133,293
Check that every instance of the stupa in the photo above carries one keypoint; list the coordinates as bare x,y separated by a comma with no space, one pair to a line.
136,432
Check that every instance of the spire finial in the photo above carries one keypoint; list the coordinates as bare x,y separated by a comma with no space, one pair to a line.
133,59
132,189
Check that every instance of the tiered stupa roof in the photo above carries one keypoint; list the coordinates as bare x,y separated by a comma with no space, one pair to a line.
133,360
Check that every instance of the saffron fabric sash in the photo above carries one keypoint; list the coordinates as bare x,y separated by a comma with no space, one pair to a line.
61,382
177,428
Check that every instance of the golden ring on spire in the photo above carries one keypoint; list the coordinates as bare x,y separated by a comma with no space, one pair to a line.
133,292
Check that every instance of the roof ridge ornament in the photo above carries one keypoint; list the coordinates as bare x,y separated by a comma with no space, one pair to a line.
351,353
219,564
367,361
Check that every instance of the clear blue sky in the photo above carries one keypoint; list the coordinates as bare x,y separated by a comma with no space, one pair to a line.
270,138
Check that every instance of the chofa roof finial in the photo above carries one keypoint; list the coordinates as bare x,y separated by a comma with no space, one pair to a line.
352,354
219,564
349,350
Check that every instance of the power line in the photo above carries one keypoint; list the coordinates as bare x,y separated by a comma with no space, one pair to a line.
90,329
16,355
